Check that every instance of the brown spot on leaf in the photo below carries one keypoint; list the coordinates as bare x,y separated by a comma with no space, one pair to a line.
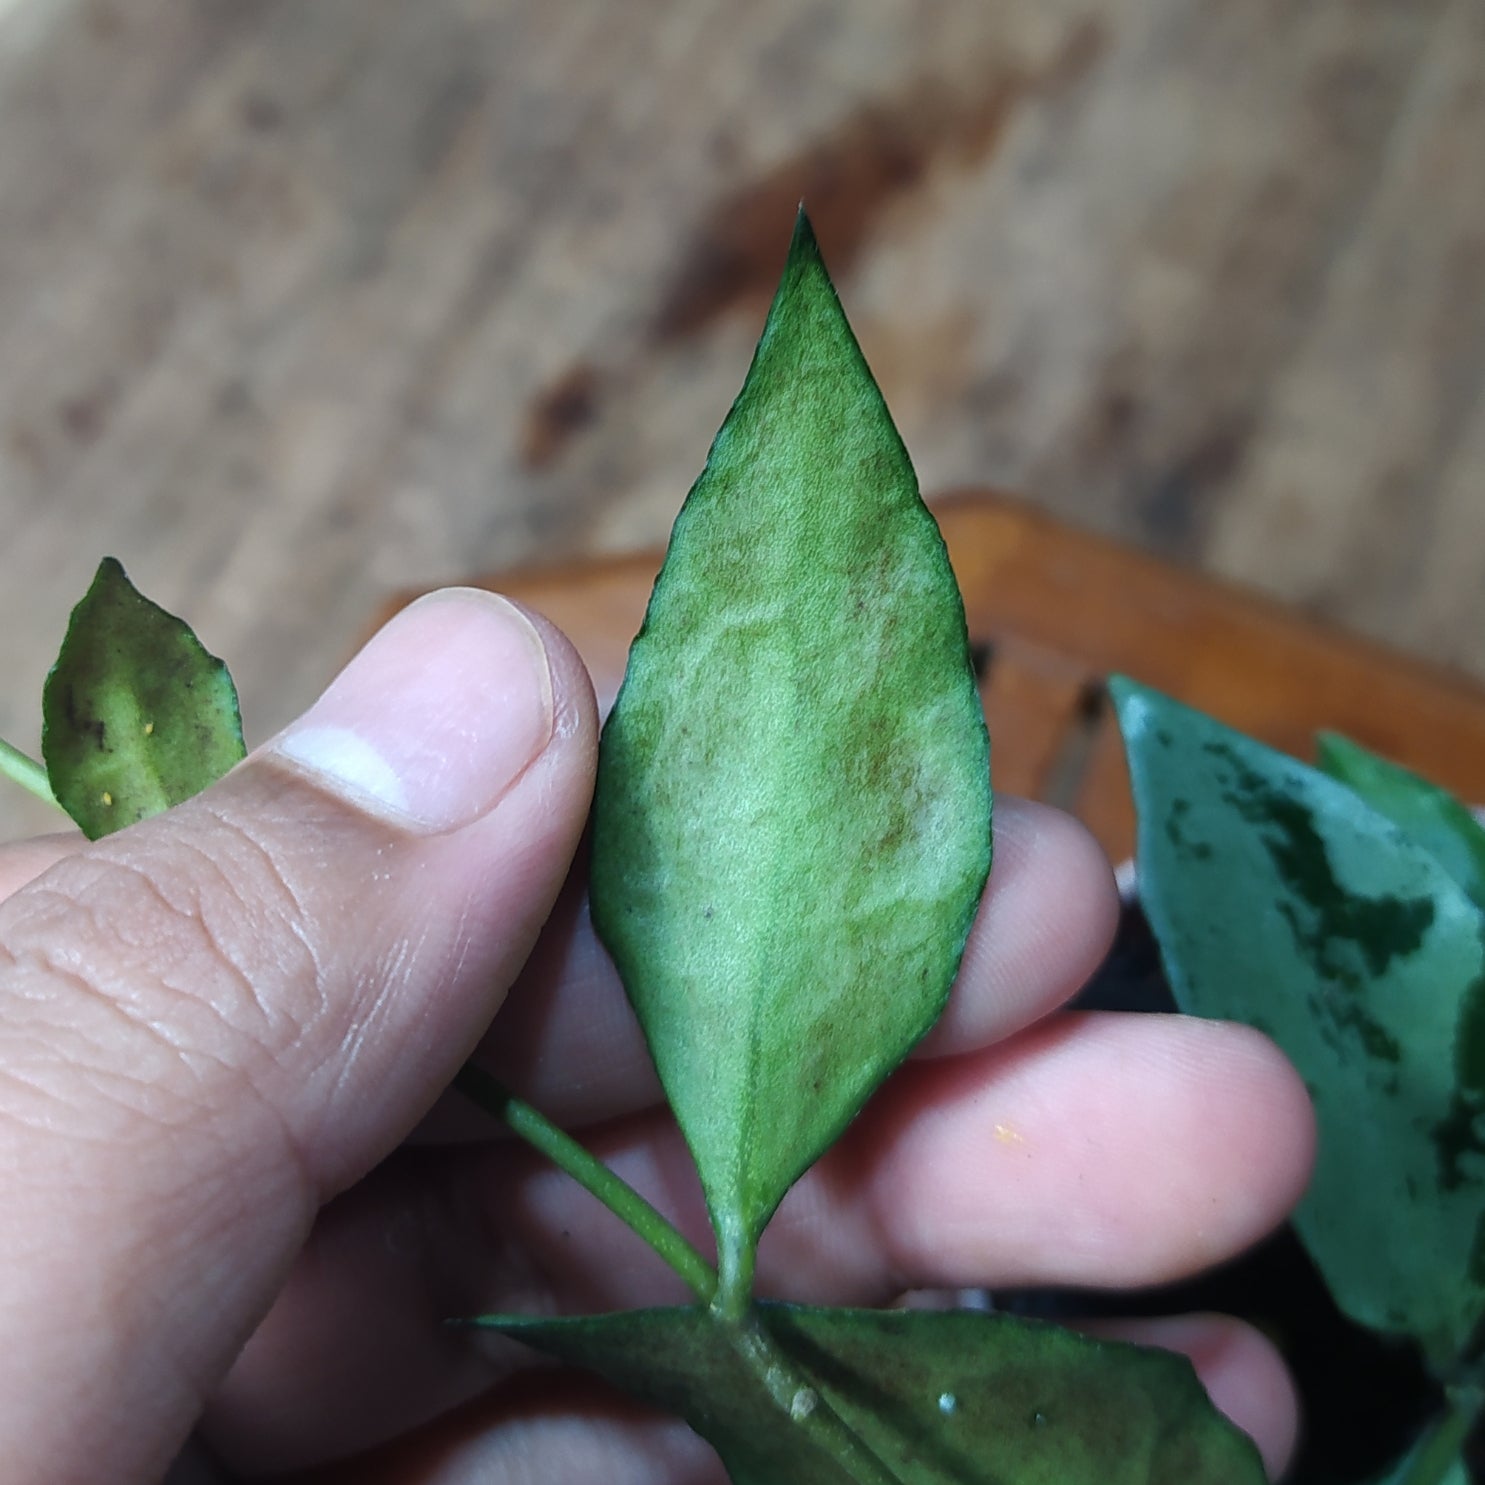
557,413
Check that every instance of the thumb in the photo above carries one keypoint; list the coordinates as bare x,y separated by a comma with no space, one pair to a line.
213,1021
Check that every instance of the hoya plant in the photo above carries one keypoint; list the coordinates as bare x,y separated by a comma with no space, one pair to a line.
1341,910
791,834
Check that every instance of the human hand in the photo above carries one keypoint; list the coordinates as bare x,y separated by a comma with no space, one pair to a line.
220,1028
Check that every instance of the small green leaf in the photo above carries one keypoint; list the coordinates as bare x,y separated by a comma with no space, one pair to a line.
1408,1471
136,716
936,1397
1437,1458
1281,899
791,826
1431,816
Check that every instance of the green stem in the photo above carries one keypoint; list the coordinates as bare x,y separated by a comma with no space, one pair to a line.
1439,1452
26,772
737,1253
790,1389
592,1175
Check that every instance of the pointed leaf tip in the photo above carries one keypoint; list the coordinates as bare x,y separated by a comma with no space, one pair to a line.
803,243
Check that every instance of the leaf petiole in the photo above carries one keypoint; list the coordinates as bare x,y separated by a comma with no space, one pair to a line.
592,1175
1443,1441
26,772
737,1255
788,1387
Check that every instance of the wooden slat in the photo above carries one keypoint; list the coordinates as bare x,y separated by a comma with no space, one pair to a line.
1033,700
1103,801
1255,664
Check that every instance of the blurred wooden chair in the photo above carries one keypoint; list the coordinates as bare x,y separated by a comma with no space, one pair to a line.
1052,611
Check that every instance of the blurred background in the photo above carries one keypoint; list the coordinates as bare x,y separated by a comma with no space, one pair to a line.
305,301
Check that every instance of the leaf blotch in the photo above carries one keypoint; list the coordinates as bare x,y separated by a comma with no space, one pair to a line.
1477,1252
1456,1137
1381,929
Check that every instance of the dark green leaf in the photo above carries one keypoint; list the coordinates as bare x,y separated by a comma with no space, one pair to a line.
791,829
1437,1456
936,1397
1431,816
1281,899
1455,1472
136,716
1412,1469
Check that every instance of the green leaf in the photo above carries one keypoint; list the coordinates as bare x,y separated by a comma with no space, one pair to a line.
1437,1458
1281,899
1415,1469
1408,1471
1431,816
136,716
936,1397
791,826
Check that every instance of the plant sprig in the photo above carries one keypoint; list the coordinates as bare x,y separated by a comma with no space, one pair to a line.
791,835
27,772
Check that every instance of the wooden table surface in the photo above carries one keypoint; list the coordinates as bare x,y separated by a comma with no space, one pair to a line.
304,301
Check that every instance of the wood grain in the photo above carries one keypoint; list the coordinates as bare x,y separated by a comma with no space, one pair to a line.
304,301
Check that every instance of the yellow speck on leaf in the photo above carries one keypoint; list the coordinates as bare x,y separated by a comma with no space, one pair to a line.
107,797
1009,1135
149,727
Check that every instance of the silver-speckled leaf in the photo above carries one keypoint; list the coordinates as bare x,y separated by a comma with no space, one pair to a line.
1431,817
1283,900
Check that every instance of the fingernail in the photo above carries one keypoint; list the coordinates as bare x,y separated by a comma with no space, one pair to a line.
436,718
